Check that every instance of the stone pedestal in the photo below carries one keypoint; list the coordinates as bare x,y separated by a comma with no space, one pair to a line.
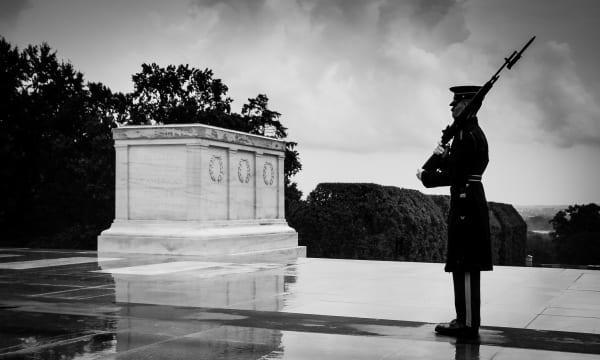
198,190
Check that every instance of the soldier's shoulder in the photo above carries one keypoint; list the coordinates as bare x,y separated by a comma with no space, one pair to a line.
473,135
476,131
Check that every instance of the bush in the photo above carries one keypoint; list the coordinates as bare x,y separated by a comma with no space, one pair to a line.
57,174
542,249
369,221
576,235
509,238
582,248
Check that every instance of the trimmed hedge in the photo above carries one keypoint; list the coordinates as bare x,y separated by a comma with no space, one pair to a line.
370,221
510,241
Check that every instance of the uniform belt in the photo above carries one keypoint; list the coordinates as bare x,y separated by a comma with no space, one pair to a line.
474,178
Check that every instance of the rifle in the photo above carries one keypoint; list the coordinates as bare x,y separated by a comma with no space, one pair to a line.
471,109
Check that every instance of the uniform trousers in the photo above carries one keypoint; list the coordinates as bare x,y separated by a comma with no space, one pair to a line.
467,297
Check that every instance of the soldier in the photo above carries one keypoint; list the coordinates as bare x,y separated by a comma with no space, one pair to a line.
469,247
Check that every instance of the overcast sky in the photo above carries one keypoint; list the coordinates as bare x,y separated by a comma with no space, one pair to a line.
363,85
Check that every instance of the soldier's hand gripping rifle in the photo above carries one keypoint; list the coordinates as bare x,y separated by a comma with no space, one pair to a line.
471,109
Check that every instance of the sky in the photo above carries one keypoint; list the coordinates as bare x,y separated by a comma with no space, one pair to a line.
363,85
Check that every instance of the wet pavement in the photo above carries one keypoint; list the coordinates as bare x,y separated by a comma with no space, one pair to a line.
82,305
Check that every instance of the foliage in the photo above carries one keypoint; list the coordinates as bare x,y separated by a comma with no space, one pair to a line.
369,221
541,248
178,95
508,232
576,234
57,171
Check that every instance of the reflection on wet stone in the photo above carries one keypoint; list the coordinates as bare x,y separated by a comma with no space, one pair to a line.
220,287
467,352
175,308
209,342
180,329
38,334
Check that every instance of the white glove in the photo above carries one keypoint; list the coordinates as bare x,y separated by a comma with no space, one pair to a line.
419,173
439,150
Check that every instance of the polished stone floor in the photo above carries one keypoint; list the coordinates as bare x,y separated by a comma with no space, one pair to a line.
84,305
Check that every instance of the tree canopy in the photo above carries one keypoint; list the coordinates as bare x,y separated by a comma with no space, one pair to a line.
57,174
577,234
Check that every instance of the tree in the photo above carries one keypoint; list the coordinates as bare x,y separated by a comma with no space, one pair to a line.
576,234
57,171
542,249
179,94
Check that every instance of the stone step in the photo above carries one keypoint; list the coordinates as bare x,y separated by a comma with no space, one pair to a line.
201,242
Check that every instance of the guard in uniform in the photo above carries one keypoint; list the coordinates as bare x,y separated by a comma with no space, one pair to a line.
469,245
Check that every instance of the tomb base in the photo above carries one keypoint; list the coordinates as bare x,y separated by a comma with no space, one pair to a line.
185,238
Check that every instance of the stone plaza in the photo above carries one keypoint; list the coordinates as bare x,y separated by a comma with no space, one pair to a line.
83,305
200,263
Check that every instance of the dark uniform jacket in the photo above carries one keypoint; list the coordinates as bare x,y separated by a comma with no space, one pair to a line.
469,245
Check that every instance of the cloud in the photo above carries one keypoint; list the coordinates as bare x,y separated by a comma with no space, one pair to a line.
566,111
351,75
365,80
369,76
434,24
11,9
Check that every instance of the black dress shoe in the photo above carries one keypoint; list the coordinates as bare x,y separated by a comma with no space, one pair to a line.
456,328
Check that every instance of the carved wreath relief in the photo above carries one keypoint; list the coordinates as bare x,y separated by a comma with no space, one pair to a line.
244,171
268,173
216,169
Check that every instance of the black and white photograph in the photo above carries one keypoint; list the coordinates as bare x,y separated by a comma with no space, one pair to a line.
299,179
